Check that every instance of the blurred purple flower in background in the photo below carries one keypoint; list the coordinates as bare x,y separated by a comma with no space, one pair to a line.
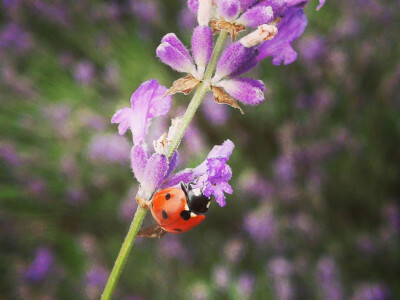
109,148
221,277
245,285
280,271
14,40
371,291
84,72
95,280
327,277
261,225
41,266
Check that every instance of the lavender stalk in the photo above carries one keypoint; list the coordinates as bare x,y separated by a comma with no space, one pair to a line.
141,211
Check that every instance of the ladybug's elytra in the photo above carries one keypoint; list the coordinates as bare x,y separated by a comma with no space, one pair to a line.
177,210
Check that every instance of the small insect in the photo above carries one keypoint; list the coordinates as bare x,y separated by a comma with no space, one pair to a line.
176,210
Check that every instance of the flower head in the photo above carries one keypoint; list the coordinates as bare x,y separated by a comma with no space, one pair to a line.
172,52
211,176
147,102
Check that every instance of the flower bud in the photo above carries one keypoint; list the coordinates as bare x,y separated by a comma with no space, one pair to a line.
264,32
204,12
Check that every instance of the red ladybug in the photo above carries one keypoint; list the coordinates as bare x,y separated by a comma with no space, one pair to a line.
177,210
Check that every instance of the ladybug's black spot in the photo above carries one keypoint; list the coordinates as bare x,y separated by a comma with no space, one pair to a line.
168,196
185,214
178,230
164,214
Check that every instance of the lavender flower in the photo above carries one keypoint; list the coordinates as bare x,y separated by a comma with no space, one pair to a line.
152,171
14,39
147,102
84,72
234,250
172,52
218,115
95,280
221,277
41,265
211,176
109,148
261,225
327,276
281,270
370,291
245,285
279,48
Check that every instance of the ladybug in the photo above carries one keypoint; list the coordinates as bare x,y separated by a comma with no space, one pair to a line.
177,210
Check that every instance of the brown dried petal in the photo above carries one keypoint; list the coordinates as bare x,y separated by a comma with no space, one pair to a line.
221,97
183,85
233,29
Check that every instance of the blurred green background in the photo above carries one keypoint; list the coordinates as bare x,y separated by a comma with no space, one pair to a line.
314,213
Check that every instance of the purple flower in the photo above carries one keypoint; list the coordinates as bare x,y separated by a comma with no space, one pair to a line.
146,10
84,72
97,276
261,225
236,60
9,154
14,39
245,285
41,265
279,48
370,291
327,276
150,170
147,102
212,175
217,114
236,12
172,248
172,52
221,277
109,148
281,270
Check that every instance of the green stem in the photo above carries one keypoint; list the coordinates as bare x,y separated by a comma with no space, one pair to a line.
141,212
198,96
124,253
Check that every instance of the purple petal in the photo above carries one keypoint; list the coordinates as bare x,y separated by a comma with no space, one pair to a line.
174,58
172,164
123,117
202,45
229,9
279,7
186,176
245,4
321,4
289,29
223,151
218,192
246,90
235,60
146,103
139,159
154,174
193,5
256,16
172,39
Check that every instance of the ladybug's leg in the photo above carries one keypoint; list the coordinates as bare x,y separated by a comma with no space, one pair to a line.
151,232
143,203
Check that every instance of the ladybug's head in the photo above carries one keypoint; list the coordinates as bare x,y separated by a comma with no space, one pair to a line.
197,202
